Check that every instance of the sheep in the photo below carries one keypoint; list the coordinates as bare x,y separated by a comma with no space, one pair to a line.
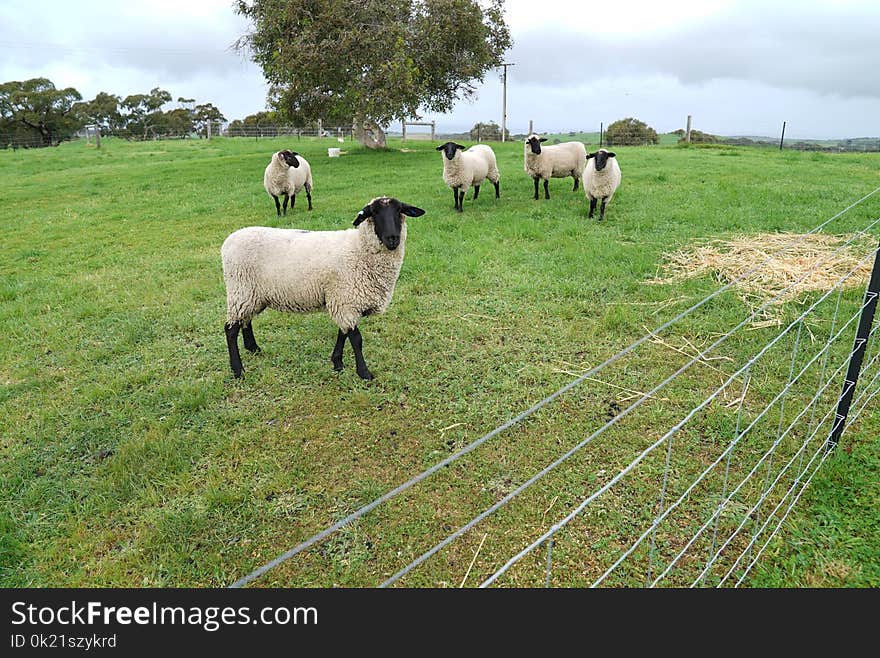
556,161
300,176
601,179
351,273
465,168
277,179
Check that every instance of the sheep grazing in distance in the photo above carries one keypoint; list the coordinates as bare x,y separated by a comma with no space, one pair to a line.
465,168
278,181
601,179
554,161
351,273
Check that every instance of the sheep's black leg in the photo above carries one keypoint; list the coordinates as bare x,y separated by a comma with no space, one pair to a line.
460,201
309,195
546,189
455,196
277,205
247,334
336,354
284,205
292,201
476,192
602,210
536,188
497,189
354,337
592,206
232,345
576,180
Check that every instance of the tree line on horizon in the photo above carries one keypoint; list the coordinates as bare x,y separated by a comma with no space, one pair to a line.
36,113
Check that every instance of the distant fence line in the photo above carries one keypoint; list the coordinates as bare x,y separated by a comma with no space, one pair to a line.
213,130
856,145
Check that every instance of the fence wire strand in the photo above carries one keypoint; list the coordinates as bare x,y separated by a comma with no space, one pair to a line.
589,374
725,499
624,413
558,526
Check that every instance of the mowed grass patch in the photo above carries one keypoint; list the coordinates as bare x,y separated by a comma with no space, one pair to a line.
132,458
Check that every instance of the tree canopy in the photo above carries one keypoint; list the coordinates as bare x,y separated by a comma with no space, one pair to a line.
34,112
630,132
37,106
488,132
372,61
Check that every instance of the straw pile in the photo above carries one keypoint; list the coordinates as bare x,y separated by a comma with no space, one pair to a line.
815,262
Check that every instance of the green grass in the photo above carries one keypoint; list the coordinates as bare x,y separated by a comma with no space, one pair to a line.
130,456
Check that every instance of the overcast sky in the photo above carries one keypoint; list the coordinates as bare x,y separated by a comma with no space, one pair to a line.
739,67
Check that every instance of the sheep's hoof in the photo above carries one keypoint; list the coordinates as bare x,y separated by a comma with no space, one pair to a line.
237,373
366,375
337,365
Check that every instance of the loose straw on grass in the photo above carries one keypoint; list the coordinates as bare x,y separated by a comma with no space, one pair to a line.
726,260
470,566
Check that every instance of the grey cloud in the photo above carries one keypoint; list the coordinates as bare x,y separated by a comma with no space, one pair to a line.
828,52
160,46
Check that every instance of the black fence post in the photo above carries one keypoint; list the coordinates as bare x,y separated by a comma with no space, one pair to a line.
858,352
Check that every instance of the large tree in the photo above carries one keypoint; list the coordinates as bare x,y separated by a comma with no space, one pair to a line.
488,132
630,132
203,115
372,61
261,124
37,105
141,113
102,110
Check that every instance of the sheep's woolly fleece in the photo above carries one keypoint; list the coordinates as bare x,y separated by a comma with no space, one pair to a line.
795,264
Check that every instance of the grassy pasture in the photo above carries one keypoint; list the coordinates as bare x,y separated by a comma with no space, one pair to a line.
130,457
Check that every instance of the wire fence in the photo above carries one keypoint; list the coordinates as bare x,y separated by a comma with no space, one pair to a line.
641,499
346,133
210,131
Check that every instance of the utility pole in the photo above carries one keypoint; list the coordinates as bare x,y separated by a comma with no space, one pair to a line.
504,102
781,139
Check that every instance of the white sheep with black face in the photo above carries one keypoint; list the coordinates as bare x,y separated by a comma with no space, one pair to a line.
463,169
601,179
543,162
286,174
351,273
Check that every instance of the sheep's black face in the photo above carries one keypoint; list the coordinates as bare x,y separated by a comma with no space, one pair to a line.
290,158
601,158
449,149
387,221
535,142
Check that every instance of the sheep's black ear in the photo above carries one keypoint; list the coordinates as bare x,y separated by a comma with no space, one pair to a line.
364,213
440,148
543,139
590,155
411,211
611,155
459,146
